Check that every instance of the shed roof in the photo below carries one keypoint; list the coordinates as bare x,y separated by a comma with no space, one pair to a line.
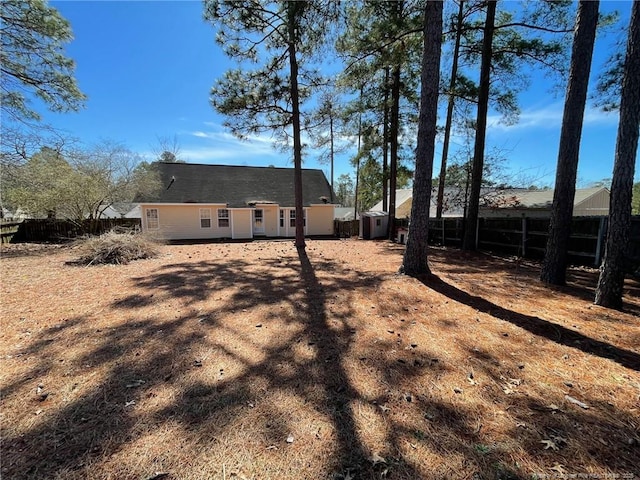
238,186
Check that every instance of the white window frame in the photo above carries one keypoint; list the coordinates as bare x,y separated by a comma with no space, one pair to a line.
153,222
205,215
282,224
292,216
223,214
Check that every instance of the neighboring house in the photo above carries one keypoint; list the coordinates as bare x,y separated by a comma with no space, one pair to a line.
507,203
17,216
221,201
121,210
588,202
344,214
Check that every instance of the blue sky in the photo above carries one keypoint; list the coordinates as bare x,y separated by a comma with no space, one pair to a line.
147,69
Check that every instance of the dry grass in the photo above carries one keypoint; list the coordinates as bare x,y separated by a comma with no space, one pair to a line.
202,362
117,248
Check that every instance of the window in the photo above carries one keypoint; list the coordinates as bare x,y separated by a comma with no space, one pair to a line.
152,219
205,218
223,218
378,222
292,218
281,218
257,218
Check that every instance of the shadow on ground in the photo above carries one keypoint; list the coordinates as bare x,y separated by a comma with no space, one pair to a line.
313,302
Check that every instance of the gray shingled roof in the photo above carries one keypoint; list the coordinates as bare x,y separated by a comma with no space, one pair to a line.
238,186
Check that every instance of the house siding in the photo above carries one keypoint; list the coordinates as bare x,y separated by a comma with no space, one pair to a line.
320,220
182,222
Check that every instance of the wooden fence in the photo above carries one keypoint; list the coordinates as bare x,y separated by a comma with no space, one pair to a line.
52,230
8,231
346,228
527,237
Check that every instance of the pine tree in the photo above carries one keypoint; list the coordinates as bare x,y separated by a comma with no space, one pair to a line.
415,257
554,266
611,280
286,35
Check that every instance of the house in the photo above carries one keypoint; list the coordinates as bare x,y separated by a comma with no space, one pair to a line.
344,214
238,202
515,202
588,202
121,210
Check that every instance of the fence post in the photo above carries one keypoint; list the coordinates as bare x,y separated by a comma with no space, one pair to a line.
524,237
442,220
601,231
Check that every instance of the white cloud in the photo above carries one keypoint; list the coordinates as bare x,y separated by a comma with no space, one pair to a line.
213,144
550,117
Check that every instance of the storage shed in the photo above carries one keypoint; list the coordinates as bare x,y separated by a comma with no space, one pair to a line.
373,225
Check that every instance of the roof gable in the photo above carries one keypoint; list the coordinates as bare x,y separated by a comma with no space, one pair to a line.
238,186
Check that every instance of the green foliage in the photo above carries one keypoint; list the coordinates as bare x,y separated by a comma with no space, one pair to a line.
33,61
80,185
44,185
257,97
635,201
378,37
344,190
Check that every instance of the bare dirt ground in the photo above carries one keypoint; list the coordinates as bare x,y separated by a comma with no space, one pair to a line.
248,361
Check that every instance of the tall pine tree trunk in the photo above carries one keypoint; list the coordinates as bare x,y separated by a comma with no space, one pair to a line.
611,281
332,153
415,260
295,108
554,265
449,121
385,144
393,147
469,240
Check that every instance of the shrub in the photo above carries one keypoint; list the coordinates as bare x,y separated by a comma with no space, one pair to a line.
116,248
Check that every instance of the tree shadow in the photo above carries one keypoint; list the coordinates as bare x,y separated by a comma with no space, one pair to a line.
581,281
205,368
147,355
536,325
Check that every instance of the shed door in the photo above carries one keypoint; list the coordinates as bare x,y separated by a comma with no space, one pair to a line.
366,228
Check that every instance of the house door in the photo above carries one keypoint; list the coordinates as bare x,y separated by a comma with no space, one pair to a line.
258,222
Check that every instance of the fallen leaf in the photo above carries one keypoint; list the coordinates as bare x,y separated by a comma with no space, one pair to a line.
576,402
128,404
376,458
384,408
558,468
135,384
158,475
290,438
549,444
